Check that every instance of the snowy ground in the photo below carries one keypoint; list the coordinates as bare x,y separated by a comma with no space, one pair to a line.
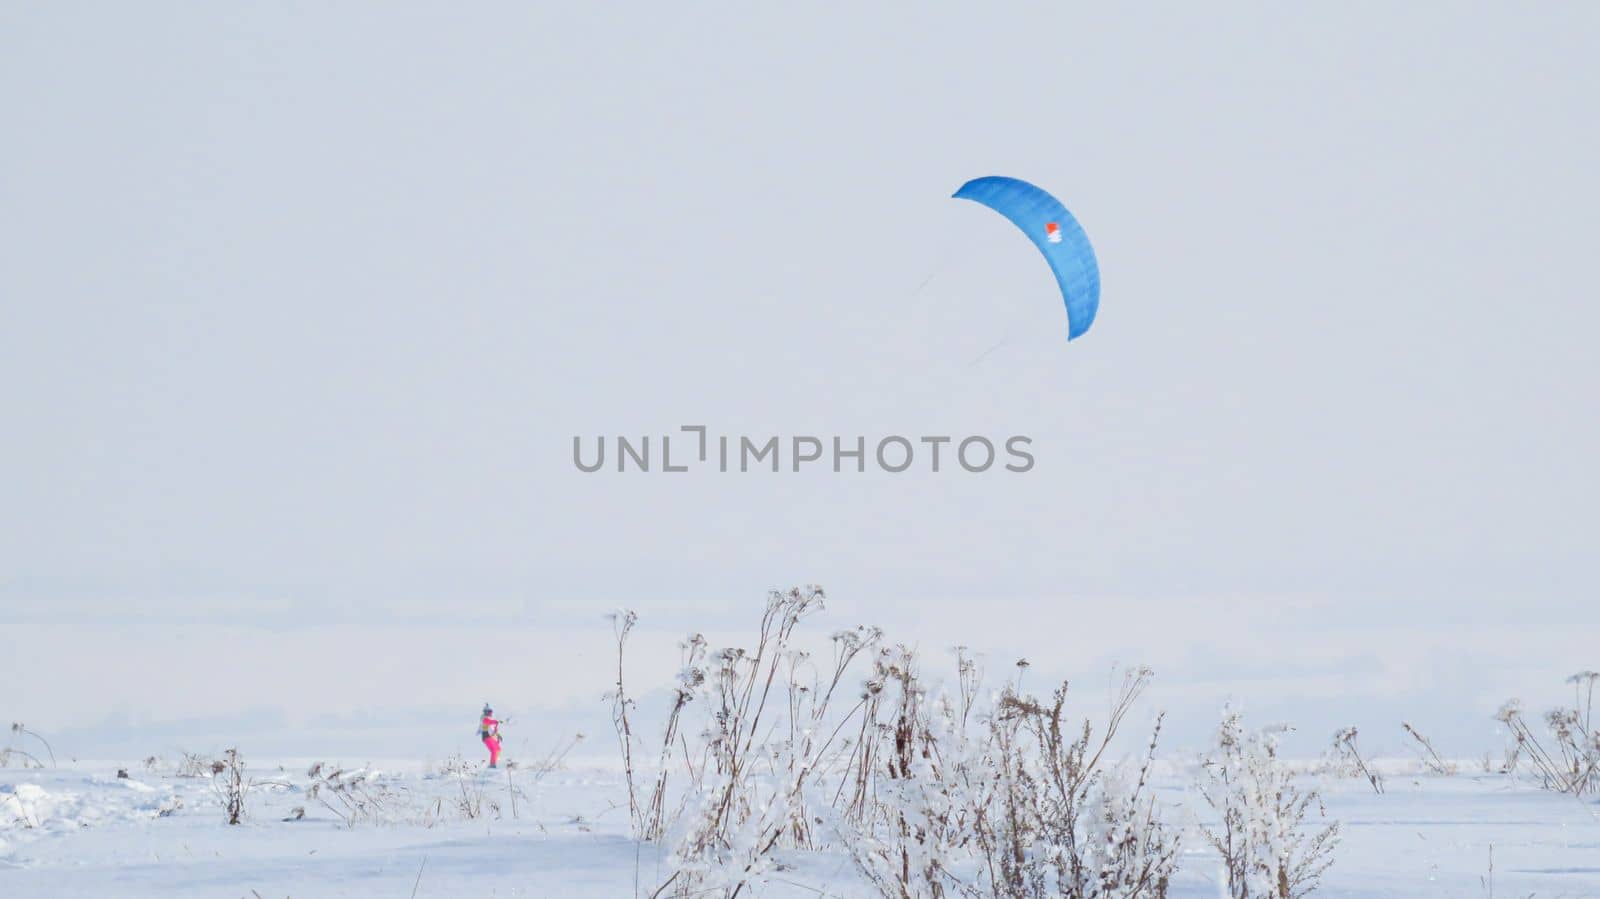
79,830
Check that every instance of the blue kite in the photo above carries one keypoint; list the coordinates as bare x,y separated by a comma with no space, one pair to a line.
1057,235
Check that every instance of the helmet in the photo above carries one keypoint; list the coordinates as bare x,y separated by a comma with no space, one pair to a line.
487,710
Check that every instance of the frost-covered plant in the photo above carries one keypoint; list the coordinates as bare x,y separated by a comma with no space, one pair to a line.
932,794
229,783
1431,760
1003,799
453,766
535,772
1063,823
691,676
1344,759
473,801
916,779
193,764
622,622
1573,765
7,753
359,796
21,731
1268,849
554,760
764,739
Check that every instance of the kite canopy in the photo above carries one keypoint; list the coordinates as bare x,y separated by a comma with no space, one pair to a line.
1057,235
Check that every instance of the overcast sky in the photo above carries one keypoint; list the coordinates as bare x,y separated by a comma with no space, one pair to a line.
302,304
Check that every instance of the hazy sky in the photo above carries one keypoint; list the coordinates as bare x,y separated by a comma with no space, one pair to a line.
301,305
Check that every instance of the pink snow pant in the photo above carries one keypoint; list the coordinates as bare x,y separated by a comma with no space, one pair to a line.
494,749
